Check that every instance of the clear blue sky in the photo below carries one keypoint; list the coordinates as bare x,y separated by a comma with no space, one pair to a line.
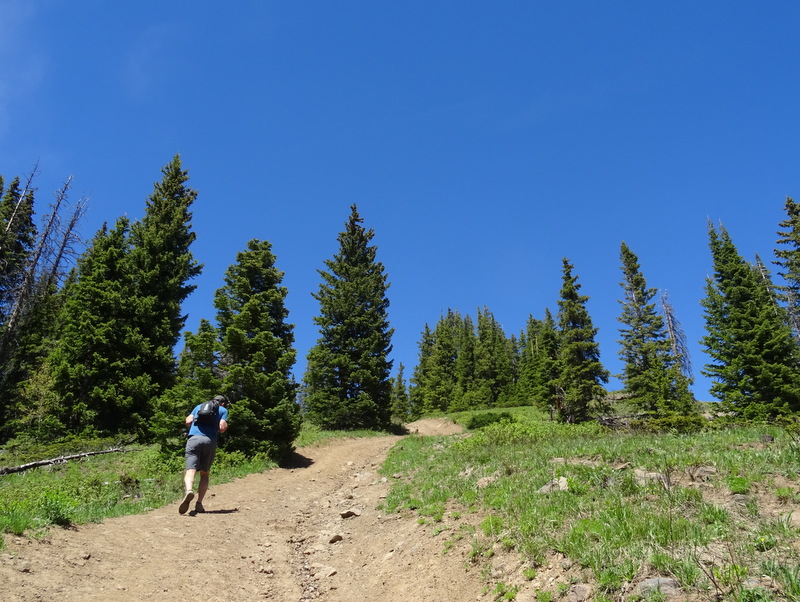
483,142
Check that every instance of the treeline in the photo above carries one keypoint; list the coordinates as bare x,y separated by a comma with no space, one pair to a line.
87,345
87,340
752,340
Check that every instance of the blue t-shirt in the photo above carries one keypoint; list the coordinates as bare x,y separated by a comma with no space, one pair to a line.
209,430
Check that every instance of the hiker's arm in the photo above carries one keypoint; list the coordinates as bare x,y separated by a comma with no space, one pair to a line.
189,420
223,426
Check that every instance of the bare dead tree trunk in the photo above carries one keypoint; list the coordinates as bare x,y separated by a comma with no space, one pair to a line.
677,337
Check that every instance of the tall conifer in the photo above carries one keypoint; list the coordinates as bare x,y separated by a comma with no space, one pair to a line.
580,393
754,357
162,266
651,375
788,262
347,377
257,354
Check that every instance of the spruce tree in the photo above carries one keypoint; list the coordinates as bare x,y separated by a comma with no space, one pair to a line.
788,262
347,377
247,357
538,362
580,393
493,362
421,376
651,376
754,357
96,365
401,407
17,240
257,354
162,265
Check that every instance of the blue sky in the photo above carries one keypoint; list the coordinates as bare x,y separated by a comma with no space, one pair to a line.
483,142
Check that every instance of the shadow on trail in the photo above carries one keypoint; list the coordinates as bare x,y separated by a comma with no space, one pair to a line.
295,460
223,511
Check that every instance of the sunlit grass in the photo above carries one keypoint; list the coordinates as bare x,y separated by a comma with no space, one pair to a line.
609,519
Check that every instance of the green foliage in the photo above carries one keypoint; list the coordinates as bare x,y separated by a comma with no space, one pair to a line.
580,393
675,423
248,358
607,520
753,355
402,409
652,375
347,383
482,420
100,486
538,362
464,367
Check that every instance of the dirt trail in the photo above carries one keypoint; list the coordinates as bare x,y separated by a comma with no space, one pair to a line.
277,535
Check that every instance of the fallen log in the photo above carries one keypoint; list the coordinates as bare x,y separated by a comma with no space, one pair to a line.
60,460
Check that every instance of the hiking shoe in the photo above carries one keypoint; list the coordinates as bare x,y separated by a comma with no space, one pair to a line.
198,507
185,503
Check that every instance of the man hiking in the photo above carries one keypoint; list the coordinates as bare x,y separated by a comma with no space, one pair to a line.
205,423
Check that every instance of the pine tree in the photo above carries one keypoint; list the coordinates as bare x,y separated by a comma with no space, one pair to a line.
96,365
421,376
258,355
347,377
493,361
788,262
401,407
754,357
651,376
580,393
162,266
539,354
247,357
17,240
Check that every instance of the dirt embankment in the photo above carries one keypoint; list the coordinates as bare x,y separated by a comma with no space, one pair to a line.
309,532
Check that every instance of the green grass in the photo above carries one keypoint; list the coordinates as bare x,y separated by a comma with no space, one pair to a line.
99,487
610,522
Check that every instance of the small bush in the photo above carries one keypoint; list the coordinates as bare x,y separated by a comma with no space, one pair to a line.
479,421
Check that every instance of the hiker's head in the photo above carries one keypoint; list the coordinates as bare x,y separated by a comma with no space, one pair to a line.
223,401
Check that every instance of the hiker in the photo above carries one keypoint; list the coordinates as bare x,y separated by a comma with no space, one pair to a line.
205,423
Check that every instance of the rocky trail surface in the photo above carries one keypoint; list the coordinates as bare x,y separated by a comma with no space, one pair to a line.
308,532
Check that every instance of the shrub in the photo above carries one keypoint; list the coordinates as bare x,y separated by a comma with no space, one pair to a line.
479,421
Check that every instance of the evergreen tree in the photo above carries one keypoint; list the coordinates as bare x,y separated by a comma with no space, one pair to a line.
17,240
442,391
651,375
493,361
401,407
248,358
258,355
538,369
347,377
754,357
162,265
788,262
464,393
580,393
98,372
420,378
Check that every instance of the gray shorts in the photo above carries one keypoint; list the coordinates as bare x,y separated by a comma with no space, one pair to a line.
200,451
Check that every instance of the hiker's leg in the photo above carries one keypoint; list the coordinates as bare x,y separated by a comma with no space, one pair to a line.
203,487
188,479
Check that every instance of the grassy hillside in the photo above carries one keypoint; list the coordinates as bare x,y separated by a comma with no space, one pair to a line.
716,512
